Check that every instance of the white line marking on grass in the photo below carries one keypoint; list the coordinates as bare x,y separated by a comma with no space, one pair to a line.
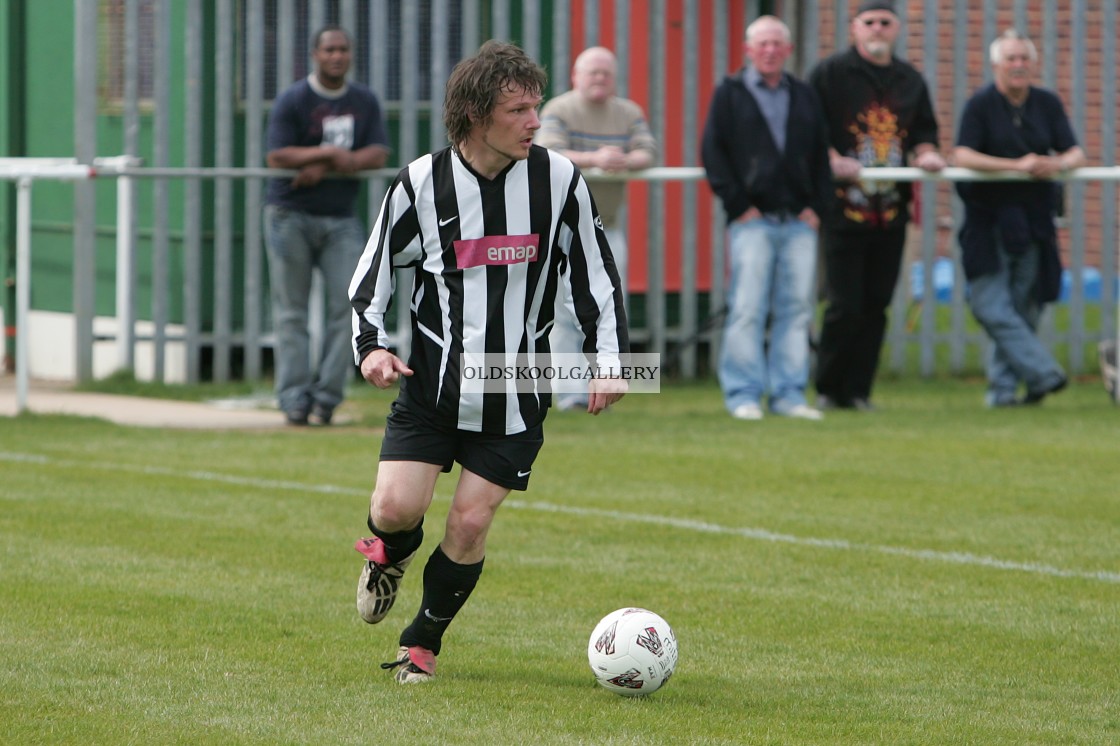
959,558
205,476
23,458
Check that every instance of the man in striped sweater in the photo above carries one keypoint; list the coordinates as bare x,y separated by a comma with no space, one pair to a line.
596,129
493,226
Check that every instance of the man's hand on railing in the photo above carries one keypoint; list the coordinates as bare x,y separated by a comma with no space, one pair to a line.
344,161
1040,166
610,158
929,160
310,175
844,168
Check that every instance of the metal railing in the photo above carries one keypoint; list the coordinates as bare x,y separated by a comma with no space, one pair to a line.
24,171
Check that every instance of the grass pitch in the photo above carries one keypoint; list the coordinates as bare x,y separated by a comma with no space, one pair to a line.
931,573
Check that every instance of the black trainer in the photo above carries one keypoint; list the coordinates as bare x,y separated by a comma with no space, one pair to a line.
1036,397
297,417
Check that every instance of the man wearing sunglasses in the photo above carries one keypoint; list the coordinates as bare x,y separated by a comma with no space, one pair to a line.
879,113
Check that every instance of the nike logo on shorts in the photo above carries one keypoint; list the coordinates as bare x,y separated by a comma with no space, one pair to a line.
524,473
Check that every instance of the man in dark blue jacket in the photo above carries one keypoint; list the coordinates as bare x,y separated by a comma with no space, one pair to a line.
765,151
323,126
1009,246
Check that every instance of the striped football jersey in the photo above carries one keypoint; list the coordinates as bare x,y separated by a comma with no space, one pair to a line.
489,257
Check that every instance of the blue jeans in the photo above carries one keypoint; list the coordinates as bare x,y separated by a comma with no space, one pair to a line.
1006,305
773,266
297,243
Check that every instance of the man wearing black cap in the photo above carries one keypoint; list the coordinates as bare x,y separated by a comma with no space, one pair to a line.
879,113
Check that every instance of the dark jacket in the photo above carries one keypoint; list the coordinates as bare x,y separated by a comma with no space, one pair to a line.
742,160
877,115
1020,213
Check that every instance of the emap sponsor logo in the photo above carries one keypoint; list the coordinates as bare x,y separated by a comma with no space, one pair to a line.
497,250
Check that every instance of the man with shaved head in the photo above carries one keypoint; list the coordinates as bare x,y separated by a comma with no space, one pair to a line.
765,153
596,129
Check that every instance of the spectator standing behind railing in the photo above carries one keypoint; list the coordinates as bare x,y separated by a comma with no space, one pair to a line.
765,152
322,125
1009,245
595,128
878,112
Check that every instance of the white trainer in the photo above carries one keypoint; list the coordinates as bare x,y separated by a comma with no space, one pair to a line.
380,580
415,665
748,411
802,412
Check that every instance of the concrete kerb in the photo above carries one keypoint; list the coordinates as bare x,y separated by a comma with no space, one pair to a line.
54,398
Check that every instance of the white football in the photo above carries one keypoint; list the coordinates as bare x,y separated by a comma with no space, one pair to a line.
632,652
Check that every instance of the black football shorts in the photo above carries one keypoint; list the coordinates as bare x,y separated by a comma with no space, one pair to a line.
505,460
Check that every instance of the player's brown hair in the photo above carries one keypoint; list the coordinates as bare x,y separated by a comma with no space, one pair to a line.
476,84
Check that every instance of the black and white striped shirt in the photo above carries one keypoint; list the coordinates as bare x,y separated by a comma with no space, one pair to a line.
488,255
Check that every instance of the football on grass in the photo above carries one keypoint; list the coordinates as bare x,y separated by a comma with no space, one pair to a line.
632,652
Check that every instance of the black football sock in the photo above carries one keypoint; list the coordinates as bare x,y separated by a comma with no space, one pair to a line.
447,585
399,544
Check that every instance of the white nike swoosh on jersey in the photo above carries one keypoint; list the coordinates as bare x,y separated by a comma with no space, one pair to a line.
448,220
524,473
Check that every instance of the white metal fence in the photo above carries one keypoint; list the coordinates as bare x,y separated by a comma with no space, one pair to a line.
191,83
656,335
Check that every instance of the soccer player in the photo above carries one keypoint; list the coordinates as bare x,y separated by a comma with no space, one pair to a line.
453,216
